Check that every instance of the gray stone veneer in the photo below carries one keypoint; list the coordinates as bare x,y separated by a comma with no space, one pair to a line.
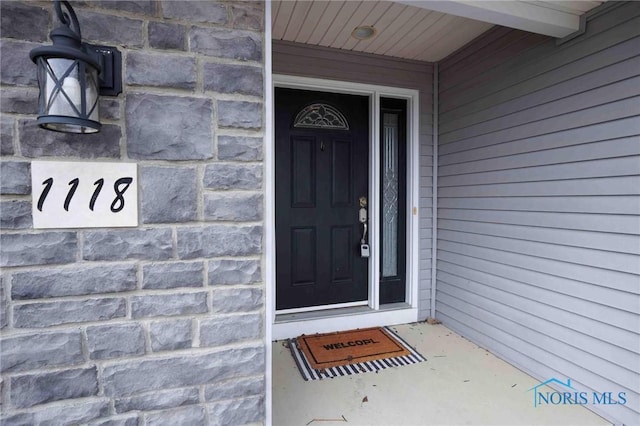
163,323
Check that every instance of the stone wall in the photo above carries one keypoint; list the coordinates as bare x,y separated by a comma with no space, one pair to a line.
163,323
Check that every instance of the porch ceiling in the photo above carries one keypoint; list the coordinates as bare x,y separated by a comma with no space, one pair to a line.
419,30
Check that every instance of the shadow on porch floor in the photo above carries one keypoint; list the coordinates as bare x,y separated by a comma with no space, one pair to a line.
460,383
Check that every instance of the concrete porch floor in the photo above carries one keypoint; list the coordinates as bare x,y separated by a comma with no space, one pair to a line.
460,383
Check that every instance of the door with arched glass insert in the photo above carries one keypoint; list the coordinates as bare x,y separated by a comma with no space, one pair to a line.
321,159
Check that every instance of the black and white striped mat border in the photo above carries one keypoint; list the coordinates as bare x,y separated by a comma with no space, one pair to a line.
309,373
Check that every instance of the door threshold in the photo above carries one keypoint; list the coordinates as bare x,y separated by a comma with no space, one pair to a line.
324,313
325,321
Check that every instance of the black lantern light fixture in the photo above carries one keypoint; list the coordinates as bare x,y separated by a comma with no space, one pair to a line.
71,76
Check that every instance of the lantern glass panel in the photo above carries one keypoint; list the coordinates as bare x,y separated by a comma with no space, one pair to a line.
69,88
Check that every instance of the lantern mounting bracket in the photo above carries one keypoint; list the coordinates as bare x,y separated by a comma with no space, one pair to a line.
110,60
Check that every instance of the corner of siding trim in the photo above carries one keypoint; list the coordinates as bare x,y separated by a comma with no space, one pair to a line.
593,13
434,205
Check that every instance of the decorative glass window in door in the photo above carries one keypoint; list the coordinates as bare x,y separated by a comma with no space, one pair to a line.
321,116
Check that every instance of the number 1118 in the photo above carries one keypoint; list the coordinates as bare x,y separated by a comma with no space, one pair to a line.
120,186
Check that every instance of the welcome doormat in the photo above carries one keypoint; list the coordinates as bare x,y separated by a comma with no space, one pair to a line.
350,352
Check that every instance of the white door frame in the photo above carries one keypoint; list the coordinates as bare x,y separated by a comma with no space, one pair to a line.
317,321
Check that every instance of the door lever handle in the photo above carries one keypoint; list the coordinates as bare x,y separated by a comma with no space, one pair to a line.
364,247
364,234
362,216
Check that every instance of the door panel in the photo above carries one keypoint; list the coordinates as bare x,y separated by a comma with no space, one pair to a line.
320,174
341,173
303,172
303,244
341,238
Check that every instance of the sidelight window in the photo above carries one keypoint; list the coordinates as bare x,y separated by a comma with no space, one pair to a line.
393,170
390,181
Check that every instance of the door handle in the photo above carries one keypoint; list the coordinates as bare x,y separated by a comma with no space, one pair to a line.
363,240
362,216
364,247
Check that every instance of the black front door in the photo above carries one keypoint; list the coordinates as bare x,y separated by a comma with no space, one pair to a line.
322,156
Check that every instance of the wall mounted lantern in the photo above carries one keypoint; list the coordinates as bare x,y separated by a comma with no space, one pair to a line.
71,75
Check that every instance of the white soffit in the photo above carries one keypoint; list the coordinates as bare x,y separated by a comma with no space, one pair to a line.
401,31
419,30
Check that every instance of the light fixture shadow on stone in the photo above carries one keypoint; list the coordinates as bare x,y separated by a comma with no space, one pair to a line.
72,75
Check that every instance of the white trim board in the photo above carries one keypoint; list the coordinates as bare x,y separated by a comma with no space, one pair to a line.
434,195
269,232
540,17
374,315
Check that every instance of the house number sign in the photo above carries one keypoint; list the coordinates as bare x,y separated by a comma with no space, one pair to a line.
84,195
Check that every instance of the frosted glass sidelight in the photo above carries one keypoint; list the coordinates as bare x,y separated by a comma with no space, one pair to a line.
390,181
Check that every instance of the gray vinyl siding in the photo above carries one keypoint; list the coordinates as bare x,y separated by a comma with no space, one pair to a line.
319,62
539,202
